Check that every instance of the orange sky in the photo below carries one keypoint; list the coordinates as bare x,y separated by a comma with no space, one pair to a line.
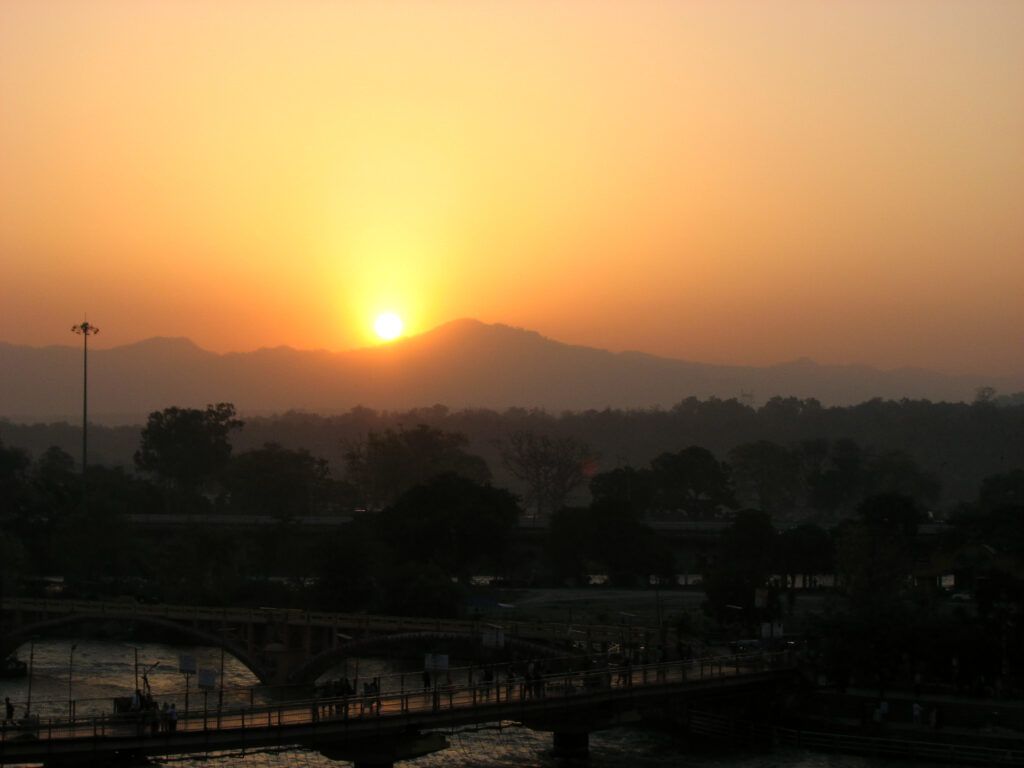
726,182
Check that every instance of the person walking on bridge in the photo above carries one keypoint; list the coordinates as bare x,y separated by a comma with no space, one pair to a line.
488,682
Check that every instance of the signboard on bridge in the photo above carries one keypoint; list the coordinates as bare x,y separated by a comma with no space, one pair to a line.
492,637
187,664
435,662
208,678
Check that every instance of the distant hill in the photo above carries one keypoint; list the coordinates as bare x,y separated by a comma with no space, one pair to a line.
462,364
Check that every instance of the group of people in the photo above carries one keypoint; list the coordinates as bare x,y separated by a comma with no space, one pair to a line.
159,718
342,689
878,714
141,707
528,679
533,681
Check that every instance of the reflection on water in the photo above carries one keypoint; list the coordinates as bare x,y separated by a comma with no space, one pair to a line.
104,670
515,747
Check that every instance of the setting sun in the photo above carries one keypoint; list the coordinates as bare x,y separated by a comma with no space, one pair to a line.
388,326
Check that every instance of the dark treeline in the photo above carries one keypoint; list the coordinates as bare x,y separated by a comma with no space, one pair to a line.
433,516
958,444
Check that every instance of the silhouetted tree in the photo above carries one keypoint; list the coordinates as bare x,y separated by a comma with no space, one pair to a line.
623,547
1003,490
25,516
455,524
692,483
805,550
990,534
567,551
837,482
874,554
185,446
348,565
388,463
283,483
958,442
605,538
56,484
742,565
766,475
210,566
895,472
551,468
418,589
874,561
631,488
14,465
891,515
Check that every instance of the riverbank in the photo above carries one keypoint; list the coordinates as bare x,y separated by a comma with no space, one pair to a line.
953,745
609,605
932,726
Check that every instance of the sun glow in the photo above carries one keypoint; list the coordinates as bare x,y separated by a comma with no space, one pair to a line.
388,326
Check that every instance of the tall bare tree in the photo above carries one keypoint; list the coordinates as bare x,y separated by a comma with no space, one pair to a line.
551,468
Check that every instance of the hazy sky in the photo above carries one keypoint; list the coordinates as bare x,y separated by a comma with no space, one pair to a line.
725,182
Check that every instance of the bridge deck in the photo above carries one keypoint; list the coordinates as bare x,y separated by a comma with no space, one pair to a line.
373,624
344,720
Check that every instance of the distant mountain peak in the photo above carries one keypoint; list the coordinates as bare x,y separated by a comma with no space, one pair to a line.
467,333
162,344
800,362
469,325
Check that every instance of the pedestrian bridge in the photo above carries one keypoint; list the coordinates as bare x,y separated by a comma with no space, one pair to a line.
378,729
283,646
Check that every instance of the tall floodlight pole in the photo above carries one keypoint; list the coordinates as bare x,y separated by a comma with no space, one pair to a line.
85,330
71,667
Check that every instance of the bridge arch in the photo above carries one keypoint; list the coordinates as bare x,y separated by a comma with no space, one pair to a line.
14,638
317,665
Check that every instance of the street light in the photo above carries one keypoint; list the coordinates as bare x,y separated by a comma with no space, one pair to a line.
31,667
629,633
71,666
135,649
85,330
224,631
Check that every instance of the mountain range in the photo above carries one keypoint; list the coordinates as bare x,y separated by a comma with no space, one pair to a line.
462,364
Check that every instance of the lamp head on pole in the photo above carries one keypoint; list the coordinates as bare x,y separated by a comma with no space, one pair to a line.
85,329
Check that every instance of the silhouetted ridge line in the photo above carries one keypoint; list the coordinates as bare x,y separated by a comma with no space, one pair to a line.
463,364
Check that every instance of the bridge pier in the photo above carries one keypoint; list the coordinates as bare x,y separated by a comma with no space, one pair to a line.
574,744
385,752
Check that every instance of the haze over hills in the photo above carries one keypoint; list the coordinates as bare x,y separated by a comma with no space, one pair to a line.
464,363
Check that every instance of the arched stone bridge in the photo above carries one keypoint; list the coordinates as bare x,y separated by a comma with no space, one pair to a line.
294,646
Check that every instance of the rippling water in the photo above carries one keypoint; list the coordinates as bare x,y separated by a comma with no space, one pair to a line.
103,670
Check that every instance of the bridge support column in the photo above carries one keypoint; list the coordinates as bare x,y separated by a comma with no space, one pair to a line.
386,751
575,744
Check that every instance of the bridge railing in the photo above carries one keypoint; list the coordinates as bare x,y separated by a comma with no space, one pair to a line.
396,682
476,695
365,622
